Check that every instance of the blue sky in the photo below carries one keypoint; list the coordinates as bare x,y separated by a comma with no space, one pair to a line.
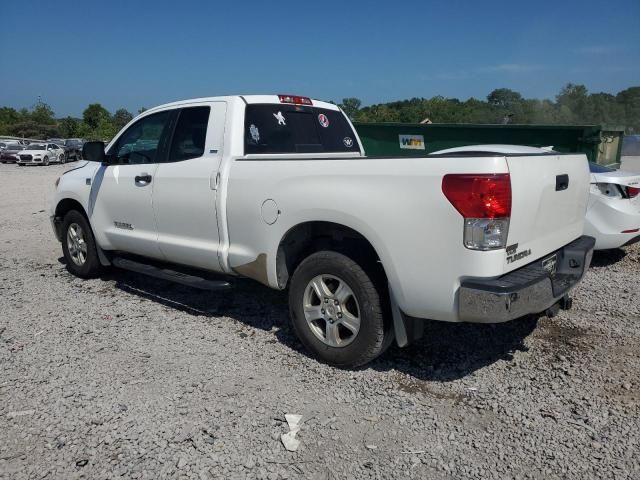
142,53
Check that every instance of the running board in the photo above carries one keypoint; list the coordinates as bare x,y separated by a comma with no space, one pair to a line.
170,275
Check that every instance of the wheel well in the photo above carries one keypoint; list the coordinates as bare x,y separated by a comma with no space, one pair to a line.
66,205
310,237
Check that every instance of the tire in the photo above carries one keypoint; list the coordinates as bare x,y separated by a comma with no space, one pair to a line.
78,156
63,159
341,348
75,245
45,161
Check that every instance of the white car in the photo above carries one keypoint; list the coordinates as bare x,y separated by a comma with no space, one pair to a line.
42,154
613,215
277,188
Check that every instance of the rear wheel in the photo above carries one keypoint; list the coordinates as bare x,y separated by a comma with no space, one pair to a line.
79,246
63,158
336,310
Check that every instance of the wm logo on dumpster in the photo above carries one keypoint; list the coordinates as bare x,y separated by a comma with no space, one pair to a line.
412,142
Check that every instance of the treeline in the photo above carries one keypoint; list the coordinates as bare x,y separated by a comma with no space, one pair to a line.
573,105
97,123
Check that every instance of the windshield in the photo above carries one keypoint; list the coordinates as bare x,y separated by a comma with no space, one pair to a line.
284,128
597,168
14,146
37,147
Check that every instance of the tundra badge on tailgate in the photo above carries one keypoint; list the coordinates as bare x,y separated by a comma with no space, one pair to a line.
513,255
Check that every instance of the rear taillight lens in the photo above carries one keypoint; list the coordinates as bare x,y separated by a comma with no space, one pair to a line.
632,192
484,200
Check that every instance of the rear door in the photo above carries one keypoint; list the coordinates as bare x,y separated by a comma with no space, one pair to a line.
184,193
121,208
549,201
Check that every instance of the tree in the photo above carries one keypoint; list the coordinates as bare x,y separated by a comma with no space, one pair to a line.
121,118
42,114
142,109
94,114
69,127
504,97
629,99
572,101
351,106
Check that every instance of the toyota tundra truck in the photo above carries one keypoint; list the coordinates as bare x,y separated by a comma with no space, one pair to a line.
277,188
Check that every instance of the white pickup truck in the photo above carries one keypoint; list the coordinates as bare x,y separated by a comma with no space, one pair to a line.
277,188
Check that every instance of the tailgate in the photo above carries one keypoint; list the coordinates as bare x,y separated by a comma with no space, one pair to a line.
549,202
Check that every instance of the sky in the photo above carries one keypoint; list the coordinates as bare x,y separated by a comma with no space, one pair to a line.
132,54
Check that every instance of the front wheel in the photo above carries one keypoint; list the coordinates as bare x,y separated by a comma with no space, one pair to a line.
336,310
63,159
79,246
45,161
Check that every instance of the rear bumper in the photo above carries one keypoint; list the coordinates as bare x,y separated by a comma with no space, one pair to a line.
528,290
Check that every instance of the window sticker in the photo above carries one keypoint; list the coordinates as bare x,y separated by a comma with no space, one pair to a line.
348,142
280,118
255,133
323,120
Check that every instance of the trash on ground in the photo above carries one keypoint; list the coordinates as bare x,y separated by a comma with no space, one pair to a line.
289,439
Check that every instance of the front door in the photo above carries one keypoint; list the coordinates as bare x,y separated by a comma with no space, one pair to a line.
121,204
184,193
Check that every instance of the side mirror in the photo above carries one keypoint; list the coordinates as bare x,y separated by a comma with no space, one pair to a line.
94,152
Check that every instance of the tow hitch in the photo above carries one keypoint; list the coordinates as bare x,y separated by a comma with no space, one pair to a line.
565,303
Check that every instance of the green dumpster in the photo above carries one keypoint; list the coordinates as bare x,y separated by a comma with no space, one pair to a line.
407,139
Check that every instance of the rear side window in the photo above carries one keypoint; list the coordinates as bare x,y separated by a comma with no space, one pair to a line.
190,134
275,128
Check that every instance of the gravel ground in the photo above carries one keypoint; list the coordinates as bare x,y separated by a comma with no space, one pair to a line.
127,376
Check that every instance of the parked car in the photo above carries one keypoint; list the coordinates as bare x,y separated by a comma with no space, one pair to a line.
41,154
60,142
10,152
73,147
278,189
613,215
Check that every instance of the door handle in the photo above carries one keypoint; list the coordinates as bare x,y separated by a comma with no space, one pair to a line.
144,178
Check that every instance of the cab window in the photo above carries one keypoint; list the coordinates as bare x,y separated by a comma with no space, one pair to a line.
142,141
283,128
190,134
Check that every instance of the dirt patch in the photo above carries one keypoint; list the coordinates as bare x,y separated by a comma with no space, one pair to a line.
564,336
421,387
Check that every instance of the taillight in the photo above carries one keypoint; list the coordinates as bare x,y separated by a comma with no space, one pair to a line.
295,99
484,200
632,192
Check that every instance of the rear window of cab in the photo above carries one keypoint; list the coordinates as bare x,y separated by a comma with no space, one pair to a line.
284,128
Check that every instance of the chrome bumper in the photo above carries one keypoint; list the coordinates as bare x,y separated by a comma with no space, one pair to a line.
528,290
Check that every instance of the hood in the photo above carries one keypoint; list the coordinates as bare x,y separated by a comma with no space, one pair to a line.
618,177
31,152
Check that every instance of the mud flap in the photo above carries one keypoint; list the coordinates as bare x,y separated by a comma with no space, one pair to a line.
407,329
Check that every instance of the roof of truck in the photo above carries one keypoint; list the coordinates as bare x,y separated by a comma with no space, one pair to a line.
248,99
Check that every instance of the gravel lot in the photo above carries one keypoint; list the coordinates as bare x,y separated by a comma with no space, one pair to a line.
127,376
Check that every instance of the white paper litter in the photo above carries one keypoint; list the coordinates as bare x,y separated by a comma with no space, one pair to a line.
289,439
